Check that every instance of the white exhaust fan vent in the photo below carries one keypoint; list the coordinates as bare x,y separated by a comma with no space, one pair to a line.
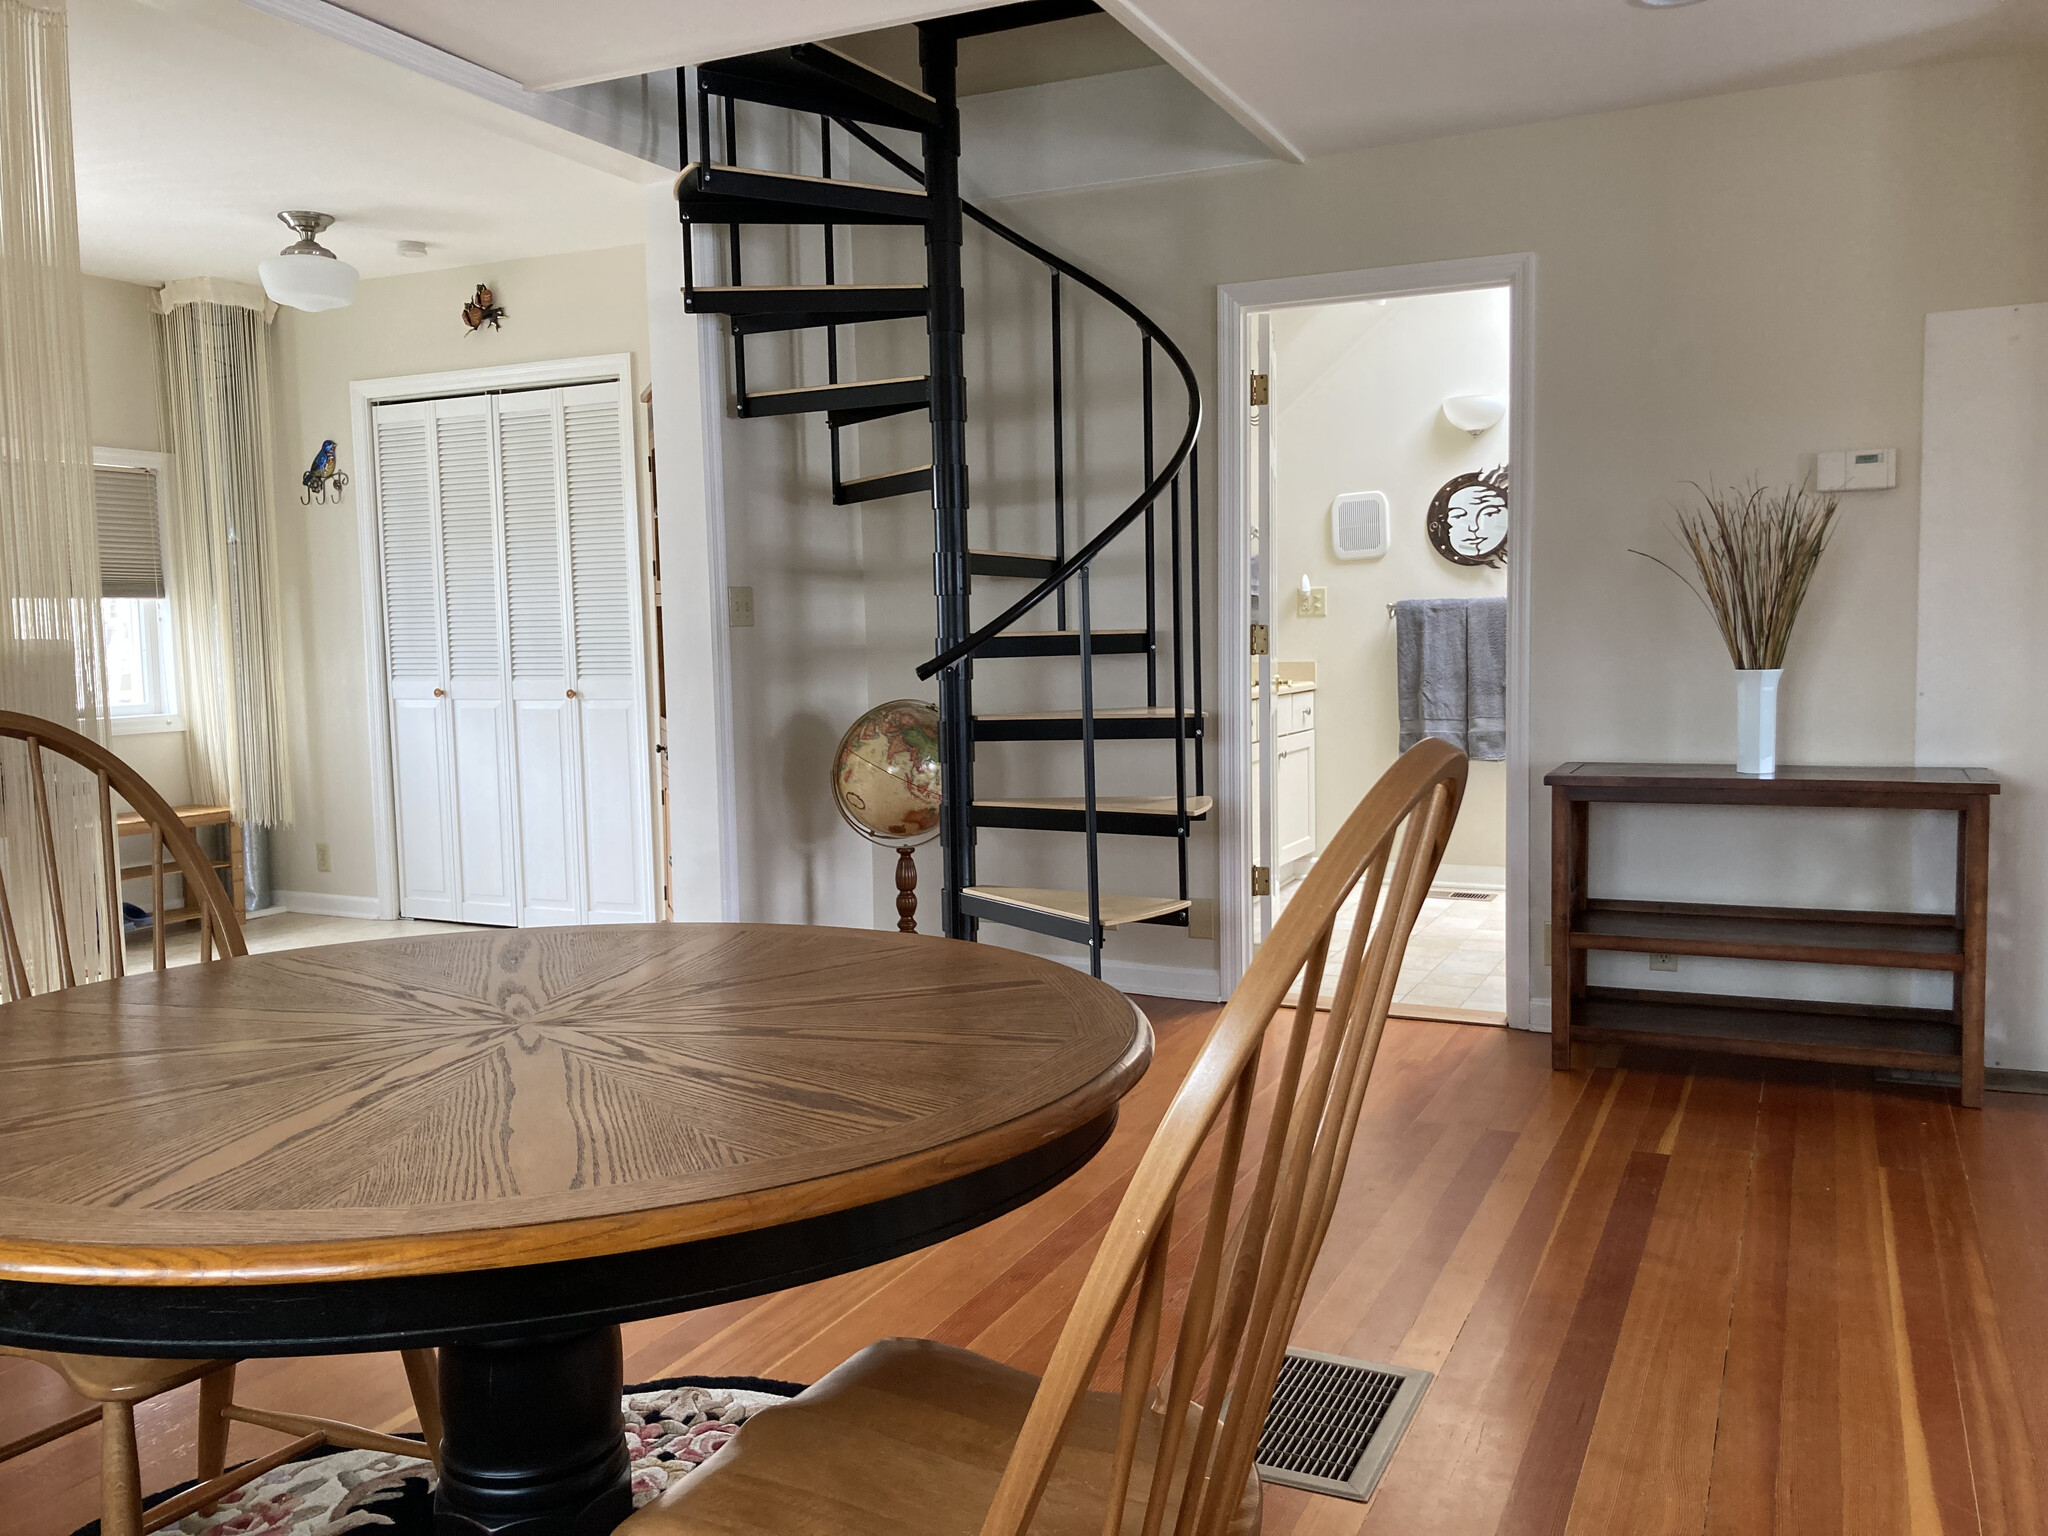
1358,525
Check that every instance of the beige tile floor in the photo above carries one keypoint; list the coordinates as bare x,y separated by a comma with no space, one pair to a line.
1457,956
285,930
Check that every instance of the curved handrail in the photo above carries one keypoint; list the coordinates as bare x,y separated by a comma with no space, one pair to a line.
1175,461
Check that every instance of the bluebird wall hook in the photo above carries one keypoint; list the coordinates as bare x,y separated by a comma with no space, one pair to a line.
322,483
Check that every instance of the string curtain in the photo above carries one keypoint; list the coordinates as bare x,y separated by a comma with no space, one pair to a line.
51,656
222,564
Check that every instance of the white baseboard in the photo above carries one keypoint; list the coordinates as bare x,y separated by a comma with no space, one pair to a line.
1539,1015
275,909
321,904
1192,983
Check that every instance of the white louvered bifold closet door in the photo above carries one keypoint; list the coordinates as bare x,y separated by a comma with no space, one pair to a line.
603,582
544,710
478,699
512,600
416,660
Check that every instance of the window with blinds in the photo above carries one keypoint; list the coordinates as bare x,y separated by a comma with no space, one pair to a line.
131,550
135,629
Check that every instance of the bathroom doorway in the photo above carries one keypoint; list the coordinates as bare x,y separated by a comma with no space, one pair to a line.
1377,486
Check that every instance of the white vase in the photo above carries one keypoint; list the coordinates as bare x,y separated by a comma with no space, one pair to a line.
1756,720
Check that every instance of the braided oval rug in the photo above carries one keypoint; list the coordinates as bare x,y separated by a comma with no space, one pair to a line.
671,1427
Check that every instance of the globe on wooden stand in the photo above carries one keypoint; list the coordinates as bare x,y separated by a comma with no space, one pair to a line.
885,781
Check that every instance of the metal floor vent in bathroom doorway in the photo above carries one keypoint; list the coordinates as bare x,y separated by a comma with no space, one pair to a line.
1335,1422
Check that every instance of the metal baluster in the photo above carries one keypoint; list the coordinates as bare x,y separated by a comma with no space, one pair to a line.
683,133
831,276
1180,755
1195,607
1059,442
1151,581
703,122
732,245
1088,781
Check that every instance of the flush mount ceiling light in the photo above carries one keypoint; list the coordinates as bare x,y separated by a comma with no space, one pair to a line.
306,275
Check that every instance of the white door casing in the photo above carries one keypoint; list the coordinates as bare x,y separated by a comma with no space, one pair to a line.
1239,308
519,770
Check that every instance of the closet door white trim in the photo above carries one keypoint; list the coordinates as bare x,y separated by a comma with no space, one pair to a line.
512,766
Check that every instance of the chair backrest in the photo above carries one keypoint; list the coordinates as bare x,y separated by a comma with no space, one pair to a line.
1266,1214
28,769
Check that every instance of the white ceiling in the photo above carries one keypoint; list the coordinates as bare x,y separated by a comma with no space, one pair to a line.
1313,77
195,121
1310,77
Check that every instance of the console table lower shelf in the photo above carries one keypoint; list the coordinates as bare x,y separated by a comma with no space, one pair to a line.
1923,1039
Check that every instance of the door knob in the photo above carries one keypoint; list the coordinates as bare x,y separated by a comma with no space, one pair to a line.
440,693
570,694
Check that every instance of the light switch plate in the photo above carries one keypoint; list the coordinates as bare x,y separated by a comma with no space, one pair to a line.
1312,604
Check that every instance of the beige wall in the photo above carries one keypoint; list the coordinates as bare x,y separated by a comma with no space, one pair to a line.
1358,391
1724,286
120,363
557,307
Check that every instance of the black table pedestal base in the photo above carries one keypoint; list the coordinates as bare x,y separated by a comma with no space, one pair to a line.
532,1443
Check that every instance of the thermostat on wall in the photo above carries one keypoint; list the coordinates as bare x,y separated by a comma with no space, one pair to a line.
1856,469
1358,525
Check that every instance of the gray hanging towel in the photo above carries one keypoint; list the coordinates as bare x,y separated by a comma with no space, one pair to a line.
1451,666
1430,647
1486,679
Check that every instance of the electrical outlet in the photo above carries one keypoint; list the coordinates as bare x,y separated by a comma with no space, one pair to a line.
1663,962
739,607
321,861
1312,604
1202,918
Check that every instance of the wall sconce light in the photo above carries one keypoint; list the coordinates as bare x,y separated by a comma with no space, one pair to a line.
1474,413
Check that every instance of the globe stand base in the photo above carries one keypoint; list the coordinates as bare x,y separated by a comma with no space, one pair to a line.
906,890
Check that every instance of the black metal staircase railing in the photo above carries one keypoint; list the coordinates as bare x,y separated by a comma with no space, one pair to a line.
843,94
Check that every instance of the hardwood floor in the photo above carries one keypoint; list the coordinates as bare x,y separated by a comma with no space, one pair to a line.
1659,1296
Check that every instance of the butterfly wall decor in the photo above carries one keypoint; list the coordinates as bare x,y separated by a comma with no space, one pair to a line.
482,310
321,481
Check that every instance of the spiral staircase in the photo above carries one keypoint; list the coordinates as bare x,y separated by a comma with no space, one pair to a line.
1162,517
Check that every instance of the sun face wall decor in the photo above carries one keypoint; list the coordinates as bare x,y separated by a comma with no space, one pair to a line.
1468,518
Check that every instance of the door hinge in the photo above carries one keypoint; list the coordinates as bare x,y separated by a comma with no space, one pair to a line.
1261,387
1262,880
1258,639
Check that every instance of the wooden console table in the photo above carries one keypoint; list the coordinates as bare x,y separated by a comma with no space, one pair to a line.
1927,1039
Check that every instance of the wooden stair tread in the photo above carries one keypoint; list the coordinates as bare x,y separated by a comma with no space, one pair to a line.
1116,910
1127,805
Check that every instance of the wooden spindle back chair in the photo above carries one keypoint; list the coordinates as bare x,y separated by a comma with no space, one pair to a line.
1172,1454
220,926
117,1384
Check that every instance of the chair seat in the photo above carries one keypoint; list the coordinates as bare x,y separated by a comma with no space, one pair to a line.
117,1378
908,1437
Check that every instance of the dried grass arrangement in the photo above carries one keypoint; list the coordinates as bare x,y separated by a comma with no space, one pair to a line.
1755,549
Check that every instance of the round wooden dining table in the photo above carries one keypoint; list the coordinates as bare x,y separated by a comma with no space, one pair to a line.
505,1143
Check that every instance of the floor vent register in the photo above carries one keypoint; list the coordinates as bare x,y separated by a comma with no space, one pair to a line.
1335,1422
